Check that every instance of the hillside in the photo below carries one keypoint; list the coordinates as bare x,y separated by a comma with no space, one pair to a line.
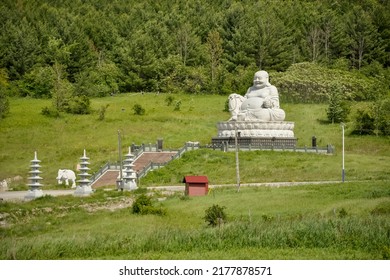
60,141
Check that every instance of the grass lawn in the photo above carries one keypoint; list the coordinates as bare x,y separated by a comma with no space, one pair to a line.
330,221
60,142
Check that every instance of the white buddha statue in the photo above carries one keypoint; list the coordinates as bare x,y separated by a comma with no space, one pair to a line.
260,103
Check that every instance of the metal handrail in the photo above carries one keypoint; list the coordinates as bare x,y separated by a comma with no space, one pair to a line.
192,146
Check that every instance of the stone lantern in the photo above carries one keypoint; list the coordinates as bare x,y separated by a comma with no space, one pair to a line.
129,175
84,187
34,179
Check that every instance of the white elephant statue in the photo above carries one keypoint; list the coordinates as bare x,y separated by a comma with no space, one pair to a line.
66,175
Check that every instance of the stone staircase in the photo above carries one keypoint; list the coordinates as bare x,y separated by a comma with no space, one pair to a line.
146,160
152,157
107,179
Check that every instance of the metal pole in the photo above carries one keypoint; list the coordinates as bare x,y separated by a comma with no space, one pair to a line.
237,160
120,157
343,171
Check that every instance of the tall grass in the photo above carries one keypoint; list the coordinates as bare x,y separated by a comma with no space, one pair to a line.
336,221
367,238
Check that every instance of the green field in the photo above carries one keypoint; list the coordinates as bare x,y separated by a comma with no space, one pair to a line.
60,142
317,221
328,221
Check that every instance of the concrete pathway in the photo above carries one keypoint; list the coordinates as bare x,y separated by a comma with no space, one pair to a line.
19,195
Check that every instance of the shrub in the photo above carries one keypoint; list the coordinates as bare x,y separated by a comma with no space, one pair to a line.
177,105
342,213
79,105
169,100
141,202
50,112
143,205
338,109
373,119
215,215
102,112
364,121
226,108
311,83
138,110
4,105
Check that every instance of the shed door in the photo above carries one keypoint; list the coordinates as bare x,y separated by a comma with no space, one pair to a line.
196,189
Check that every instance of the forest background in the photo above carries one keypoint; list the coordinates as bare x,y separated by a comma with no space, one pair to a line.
70,51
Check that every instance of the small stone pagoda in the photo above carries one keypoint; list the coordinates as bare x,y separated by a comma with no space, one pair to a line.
129,175
256,118
35,179
84,187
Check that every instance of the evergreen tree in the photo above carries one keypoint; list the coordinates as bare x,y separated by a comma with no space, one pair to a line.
214,47
4,103
338,109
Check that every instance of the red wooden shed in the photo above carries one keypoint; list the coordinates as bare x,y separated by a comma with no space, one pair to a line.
196,185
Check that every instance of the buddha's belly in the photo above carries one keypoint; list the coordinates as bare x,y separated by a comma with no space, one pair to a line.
252,103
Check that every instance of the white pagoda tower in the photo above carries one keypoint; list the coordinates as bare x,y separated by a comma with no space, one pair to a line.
129,175
84,187
34,179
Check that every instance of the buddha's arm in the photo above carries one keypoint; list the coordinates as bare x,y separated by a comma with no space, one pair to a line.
273,98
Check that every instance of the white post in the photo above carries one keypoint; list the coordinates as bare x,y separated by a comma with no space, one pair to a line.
120,181
237,160
343,170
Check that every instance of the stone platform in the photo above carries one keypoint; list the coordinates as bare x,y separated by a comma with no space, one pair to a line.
256,133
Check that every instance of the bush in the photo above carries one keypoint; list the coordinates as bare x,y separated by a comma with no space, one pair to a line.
138,110
79,105
215,215
311,83
4,105
102,112
169,100
338,108
177,105
50,112
373,119
143,205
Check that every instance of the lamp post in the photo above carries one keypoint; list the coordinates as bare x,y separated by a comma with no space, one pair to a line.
343,170
119,182
237,159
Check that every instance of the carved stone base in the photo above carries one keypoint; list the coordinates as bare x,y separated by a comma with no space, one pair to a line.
256,129
256,134
33,194
83,191
264,142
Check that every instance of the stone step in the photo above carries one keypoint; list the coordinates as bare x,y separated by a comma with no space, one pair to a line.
110,176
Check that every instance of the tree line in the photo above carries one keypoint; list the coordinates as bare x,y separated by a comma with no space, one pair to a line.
76,49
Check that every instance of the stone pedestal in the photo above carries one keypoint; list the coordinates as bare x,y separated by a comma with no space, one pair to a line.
256,133
33,194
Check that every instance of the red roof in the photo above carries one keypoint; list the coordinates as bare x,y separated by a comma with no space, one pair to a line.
195,179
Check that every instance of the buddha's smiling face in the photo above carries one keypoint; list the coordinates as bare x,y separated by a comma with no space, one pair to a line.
260,79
